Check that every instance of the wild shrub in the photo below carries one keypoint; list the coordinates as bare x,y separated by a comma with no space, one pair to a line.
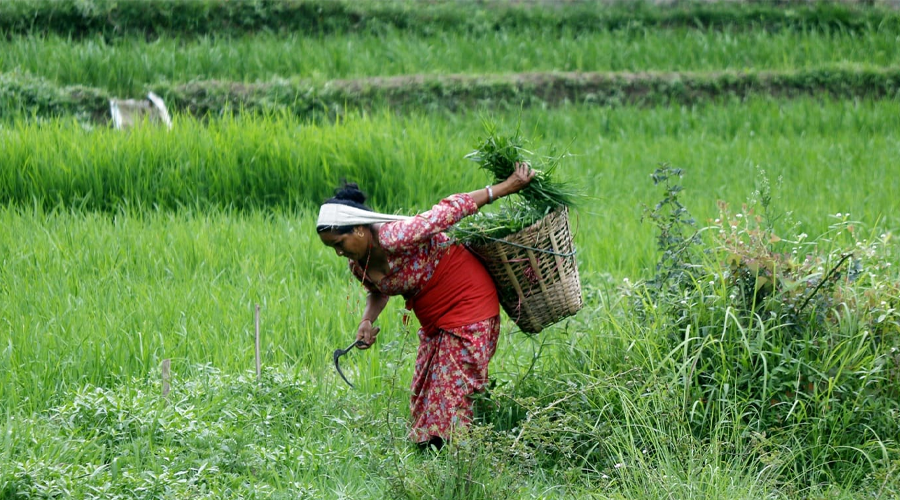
793,340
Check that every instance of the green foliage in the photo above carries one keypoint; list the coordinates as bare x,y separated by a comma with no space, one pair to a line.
111,18
676,235
498,154
796,339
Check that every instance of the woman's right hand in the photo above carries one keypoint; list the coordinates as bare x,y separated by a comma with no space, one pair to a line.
367,333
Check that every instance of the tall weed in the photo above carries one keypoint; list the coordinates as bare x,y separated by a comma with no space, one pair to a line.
794,339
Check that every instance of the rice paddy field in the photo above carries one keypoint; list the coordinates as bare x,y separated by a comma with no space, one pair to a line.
745,345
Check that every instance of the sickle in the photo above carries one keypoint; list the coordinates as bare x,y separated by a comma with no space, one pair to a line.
340,352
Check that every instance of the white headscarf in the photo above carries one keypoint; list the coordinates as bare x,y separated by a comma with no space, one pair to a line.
336,214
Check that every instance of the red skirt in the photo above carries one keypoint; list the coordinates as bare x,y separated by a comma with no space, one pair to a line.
451,365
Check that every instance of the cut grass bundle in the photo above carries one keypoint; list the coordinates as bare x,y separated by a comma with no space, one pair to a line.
498,155
526,246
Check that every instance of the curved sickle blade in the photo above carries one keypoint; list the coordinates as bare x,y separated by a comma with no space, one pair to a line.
337,356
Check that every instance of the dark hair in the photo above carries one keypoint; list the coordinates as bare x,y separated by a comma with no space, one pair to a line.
348,193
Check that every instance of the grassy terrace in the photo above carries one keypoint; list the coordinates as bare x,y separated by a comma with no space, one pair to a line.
126,66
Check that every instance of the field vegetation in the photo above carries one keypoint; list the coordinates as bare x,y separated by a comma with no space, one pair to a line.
125,66
741,334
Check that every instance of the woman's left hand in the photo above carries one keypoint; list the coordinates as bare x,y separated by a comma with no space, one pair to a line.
521,177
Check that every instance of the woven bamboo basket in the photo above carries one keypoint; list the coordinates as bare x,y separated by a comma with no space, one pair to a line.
535,272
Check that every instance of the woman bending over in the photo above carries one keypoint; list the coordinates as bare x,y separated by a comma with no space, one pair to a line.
443,283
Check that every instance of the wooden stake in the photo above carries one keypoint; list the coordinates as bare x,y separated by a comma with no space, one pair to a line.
165,377
258,375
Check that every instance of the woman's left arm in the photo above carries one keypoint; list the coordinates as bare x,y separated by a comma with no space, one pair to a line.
520,178
367,331
394,236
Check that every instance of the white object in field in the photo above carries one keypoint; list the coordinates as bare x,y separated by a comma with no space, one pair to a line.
127,113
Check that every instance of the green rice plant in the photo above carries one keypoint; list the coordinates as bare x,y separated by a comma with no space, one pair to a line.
820,148
231,162
130,66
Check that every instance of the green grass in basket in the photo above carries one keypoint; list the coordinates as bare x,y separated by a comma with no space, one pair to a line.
484,227
498,155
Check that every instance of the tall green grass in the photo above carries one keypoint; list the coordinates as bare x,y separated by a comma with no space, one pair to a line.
127,66
831,156
100,297
103,299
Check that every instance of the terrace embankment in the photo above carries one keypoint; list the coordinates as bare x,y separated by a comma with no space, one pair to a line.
22,95
108,28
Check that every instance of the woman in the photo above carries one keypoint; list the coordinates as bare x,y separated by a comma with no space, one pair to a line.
446,287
